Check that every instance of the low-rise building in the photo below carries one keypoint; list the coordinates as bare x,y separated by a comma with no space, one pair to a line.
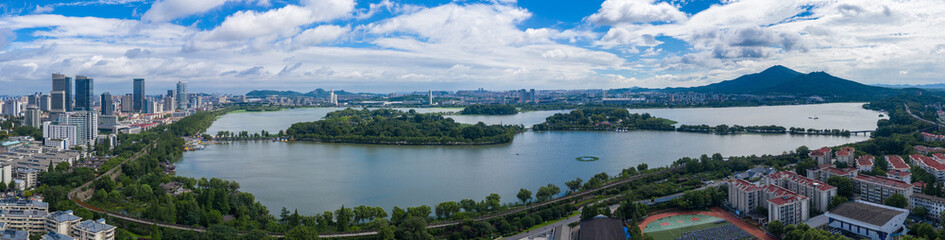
865,163
13,204
869,220
822,155
939,156
926,150
877,189
786,206
824,172
896,163
845,155
934,205
11,234
928,137
93,230
819,192
61,222
29,177
56,236
904,176
917,187
33,221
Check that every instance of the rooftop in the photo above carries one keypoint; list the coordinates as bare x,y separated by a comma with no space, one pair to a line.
10,234
896,162
93,226
60,216
927,161
898,173
873,214
55,236
822,186
884,181
602,228
865,160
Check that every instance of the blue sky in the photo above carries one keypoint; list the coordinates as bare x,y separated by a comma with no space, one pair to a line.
233,46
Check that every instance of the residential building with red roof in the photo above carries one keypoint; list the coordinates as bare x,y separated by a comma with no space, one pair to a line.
928,137
904,176
822,155
930,165
865,163
785,205
819,192
877,189
743,195
896,163
917,187
823,172
939,157
926,150
846,155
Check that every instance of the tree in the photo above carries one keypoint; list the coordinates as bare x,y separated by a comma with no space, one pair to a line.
776,227
642,167
844,186
384,230
574,185
301,233
896,200
343,218
445,210
941,218
493,201
547,192
524,195
836,201
589,211
414,228
920,212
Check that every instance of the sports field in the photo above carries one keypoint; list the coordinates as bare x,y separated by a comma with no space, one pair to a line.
674,226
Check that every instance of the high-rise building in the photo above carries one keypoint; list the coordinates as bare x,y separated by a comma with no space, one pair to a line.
34,99
108,104
44,102
182,95
332,98
170,102
86,123
32,118
12,108
430,94
127,103
84,93
139,93
61,93
60,132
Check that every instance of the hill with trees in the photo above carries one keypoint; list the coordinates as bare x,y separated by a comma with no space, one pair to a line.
387,126
604,119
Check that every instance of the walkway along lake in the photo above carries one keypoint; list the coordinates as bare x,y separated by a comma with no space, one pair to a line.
316,177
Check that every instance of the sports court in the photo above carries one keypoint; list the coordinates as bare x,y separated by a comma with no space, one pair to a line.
672,227
686,224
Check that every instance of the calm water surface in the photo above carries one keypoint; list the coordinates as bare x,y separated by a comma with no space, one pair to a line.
315,177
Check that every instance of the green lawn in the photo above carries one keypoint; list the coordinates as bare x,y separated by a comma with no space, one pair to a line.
677,232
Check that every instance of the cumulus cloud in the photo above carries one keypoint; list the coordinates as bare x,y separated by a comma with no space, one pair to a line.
614,12
166,10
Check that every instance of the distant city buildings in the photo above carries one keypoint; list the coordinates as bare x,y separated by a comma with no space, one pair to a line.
61,94
84,93
182,95
107,104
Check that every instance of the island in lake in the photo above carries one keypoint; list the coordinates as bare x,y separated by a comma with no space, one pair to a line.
604,119
388,126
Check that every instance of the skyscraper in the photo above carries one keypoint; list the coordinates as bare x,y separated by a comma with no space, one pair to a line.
61,93
332,98
127,104
84,93
182,95
108,104
139,93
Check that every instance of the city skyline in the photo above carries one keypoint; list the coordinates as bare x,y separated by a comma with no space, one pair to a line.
384,46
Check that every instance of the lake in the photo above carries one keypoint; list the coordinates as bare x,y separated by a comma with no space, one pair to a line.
316,177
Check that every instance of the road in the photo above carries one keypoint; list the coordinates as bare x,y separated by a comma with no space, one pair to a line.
921,119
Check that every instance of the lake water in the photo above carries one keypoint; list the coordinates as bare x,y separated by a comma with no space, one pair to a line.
315,177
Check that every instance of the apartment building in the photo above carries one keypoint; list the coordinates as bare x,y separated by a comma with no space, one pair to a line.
877,189
819,192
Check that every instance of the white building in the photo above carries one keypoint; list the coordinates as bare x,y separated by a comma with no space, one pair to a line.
61,222
930,165
786,206
845,155
62,132
865,163
896,163
934,205
93,230
86,123
870,220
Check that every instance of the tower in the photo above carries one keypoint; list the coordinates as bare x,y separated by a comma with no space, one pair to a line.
332,98
61,94
138,102
84,92
430,95
182,95
108,105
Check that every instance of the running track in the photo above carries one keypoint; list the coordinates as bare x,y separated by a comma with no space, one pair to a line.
716,212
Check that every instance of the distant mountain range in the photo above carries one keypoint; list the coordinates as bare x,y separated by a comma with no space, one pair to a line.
780,80
317,93
924,86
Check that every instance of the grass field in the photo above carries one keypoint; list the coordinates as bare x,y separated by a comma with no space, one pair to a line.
674,226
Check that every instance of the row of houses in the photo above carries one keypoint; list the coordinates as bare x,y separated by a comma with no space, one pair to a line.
928,137
21,217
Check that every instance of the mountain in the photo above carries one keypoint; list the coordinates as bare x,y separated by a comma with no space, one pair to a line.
780,80
317,93
766,79
923,86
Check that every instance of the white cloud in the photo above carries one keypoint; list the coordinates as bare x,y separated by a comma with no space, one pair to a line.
42,9
613,12
166,10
